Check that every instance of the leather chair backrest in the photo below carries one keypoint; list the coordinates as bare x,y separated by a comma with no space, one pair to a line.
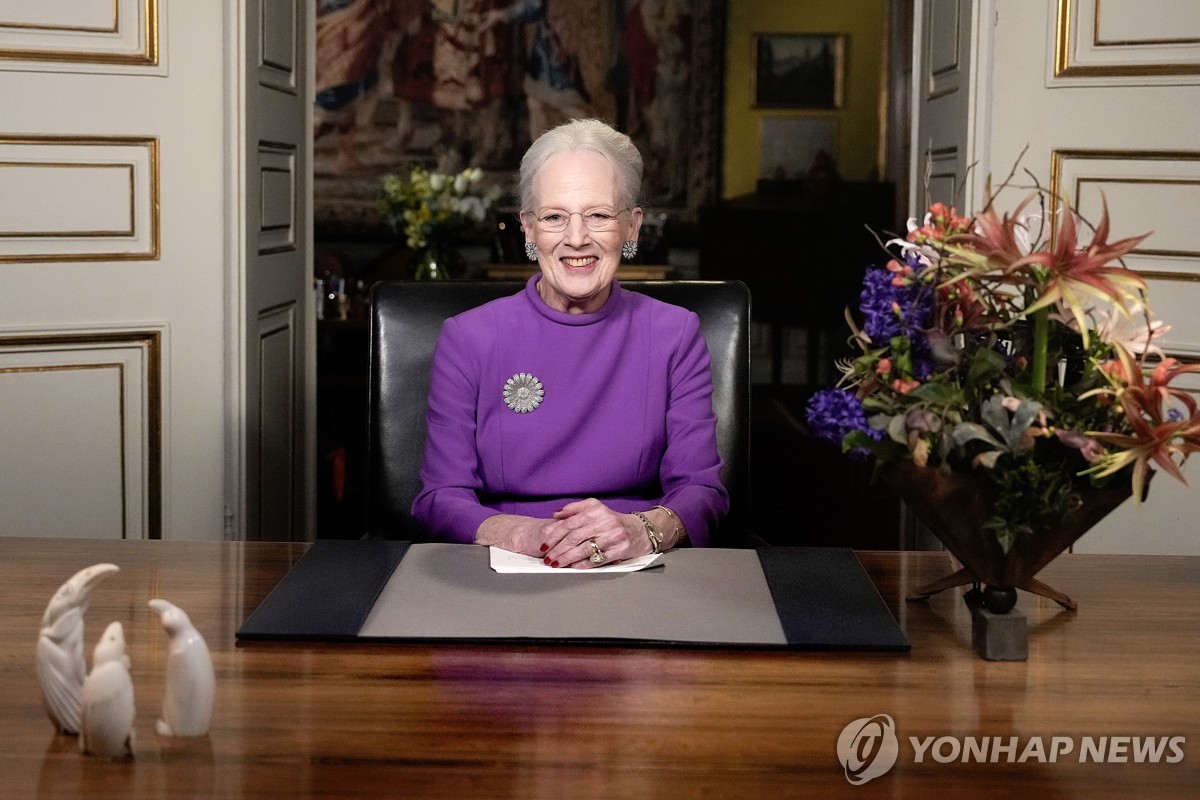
406,318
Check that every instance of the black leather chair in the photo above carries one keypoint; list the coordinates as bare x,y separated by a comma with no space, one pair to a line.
406,318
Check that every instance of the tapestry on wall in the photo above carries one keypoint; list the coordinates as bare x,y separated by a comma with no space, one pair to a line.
449,84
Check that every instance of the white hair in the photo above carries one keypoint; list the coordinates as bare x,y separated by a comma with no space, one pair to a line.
585,135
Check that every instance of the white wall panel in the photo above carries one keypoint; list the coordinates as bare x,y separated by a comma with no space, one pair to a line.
40,200
96,16
1144,191
1127,39
79,32
1125,22
65,198
100,393
1173,300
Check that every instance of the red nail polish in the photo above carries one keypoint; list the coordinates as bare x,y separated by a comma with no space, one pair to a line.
554,563
545,547
546,561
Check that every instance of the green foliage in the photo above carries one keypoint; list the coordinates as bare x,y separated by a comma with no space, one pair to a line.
1029,495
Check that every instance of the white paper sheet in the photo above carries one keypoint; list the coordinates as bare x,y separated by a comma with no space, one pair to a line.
508,561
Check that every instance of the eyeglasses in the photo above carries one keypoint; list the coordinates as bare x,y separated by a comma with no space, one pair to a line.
554,220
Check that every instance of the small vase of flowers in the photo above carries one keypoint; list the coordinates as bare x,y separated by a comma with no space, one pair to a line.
1009,386
434,211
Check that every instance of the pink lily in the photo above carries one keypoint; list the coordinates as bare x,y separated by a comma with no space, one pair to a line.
1156,437
1076,272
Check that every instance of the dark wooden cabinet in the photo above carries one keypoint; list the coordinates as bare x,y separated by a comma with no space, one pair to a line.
342,375
802,251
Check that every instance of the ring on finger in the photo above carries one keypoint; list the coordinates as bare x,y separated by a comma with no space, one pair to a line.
598,556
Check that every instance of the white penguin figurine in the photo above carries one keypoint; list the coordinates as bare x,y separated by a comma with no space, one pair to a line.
61,669
106,723
188,700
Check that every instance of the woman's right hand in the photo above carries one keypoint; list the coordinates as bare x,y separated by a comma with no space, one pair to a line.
514,533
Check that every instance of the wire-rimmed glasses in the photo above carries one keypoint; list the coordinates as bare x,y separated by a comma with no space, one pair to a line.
596,220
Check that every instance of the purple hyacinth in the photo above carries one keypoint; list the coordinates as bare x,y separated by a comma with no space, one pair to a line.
832,413
907,310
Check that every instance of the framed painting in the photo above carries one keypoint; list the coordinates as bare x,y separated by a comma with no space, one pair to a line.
799,70
791,147
450,84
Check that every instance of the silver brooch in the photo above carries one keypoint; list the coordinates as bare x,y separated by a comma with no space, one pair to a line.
523,393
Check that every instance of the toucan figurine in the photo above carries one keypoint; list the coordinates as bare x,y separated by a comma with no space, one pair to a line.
61,669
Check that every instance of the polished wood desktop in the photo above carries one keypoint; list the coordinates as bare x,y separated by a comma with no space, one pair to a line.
551,721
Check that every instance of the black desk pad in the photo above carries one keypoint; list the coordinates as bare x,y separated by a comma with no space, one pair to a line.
826,601
823,598
328,593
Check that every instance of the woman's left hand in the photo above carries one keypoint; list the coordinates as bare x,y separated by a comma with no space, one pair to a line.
576,525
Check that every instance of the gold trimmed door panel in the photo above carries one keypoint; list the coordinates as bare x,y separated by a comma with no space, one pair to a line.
1097,99
114,262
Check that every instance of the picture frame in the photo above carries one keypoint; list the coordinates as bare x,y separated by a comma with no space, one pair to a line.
789,147
799,70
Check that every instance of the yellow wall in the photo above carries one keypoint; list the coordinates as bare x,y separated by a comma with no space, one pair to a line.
864,23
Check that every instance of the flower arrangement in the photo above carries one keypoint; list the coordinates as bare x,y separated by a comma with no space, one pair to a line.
1004,348
432,208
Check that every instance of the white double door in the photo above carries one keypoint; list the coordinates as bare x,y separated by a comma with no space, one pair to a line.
1103,98
155,339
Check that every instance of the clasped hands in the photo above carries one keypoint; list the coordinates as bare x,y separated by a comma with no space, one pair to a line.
566,539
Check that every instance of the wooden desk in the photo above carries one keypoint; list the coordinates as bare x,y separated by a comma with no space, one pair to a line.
302,720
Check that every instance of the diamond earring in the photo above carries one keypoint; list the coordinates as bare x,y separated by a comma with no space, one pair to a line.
531,251
629,249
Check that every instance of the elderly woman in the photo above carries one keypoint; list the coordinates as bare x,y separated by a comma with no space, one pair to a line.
573,421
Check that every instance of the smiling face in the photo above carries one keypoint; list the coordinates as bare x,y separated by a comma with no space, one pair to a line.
577,263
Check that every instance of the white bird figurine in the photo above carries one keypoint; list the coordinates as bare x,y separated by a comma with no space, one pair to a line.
188,700
106,723
61,669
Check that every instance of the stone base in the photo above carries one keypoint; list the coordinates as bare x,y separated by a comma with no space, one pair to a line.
999,637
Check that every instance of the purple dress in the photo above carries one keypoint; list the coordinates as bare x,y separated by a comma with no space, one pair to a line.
626,415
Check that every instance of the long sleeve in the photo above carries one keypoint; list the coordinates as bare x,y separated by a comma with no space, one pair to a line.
448,504
691,469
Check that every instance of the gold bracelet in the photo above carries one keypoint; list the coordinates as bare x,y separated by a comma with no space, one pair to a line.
676,536
656,536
